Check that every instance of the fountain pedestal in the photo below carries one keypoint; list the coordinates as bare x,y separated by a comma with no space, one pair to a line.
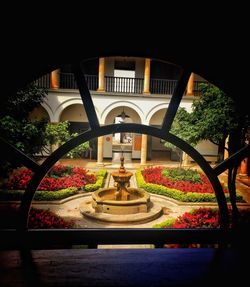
121,203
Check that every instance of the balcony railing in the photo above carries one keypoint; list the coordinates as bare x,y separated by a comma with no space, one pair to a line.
118,84
43,82
124,85
67,81
162,86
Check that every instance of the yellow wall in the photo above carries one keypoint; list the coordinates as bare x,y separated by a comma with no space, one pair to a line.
38,114
158,117
74,113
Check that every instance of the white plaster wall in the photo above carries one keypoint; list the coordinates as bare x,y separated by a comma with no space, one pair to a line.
141,108
144,106
139,65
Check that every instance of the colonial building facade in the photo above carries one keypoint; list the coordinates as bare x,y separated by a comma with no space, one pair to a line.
124,89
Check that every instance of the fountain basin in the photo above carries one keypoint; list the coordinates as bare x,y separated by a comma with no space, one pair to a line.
105,201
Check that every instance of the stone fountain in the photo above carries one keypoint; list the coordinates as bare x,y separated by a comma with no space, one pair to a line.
121,203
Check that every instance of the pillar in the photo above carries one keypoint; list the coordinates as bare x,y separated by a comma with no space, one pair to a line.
243,167
186,159
55,79
190,85
225,150
54,147
146,76
101,75
100,151
144,150
244,164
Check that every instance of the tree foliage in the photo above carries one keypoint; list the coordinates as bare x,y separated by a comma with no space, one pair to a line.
212,118
25,135
23,102
58,134
15,125
183,128
214,114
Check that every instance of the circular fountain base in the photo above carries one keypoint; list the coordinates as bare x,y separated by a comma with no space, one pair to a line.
106,200
105,206
154,212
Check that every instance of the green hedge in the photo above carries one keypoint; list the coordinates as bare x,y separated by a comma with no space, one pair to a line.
167,223
39,195
100,179
179,195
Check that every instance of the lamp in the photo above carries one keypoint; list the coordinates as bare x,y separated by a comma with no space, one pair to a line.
123,115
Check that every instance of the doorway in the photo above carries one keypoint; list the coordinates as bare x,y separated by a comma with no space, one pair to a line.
122,142
127,143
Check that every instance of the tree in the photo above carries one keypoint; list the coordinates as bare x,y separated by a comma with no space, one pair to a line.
15,125
23,102
183,128
57,134
25,135
214,117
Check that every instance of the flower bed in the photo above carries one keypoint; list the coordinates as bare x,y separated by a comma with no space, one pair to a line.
197,218
202,218
60,182
183,191
178,178
41,218
59,177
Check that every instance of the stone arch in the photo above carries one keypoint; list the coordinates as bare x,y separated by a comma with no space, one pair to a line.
156,149
119,106
157,118
121,141
42,111
62,106
74,113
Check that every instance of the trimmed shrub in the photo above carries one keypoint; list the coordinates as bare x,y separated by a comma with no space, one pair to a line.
165,224
100,179
177,174
39,195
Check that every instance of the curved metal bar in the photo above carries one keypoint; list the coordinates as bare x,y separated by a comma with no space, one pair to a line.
233,160
175,100
117,128
86,97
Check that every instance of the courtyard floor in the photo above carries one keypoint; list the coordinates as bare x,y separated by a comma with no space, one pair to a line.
69,209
